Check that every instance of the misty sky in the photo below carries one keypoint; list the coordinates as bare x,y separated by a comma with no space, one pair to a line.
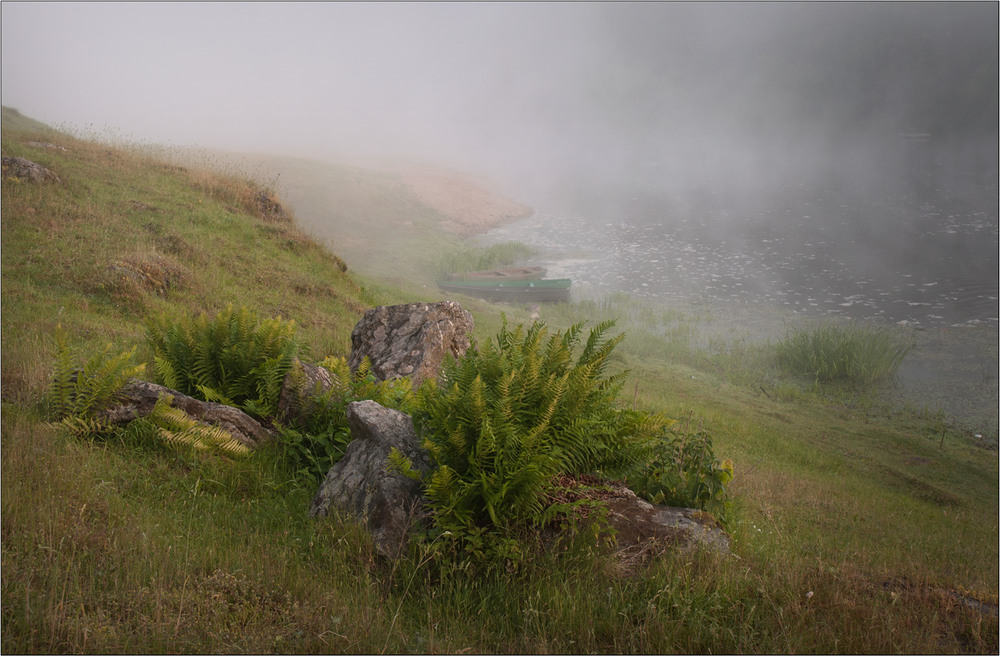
522,90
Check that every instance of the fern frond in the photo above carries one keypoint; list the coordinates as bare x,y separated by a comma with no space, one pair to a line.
401,464
83,391
63,389
83,427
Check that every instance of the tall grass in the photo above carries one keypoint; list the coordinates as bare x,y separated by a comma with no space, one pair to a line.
831,351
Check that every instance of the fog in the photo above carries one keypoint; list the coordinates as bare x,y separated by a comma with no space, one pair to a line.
865,131
737,95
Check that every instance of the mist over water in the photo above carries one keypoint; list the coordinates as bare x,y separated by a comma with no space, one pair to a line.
922,250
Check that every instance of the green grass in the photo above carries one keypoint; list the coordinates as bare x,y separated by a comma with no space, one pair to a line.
124,545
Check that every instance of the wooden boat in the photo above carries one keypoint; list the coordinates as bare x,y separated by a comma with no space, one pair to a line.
551,290
517,273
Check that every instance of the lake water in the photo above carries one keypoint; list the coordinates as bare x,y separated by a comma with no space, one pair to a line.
931,261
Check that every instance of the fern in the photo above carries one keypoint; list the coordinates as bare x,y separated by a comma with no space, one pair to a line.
510,415
179,429
235,358
77,394
401,464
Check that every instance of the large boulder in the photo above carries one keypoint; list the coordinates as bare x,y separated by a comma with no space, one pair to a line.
137,398
410,340
362,485
24,169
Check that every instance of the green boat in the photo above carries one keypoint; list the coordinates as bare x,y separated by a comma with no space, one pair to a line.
551,290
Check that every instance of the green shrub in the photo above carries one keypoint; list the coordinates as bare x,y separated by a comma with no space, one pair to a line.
236,358
319,439
860,354
507,417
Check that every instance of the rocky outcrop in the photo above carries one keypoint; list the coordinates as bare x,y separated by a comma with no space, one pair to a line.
410,340
24,169
137,398
361,484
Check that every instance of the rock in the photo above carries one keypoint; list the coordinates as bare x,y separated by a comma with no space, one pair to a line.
45,144
302,383
24,169
362,485
137,398
643,531
410,340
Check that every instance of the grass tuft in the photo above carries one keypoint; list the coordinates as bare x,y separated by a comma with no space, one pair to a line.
858,353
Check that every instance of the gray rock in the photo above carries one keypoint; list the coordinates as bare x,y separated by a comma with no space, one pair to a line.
362,485
25,169
137,398
302,384
410,340
644,531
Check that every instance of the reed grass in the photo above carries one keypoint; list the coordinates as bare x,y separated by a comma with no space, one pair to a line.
857,353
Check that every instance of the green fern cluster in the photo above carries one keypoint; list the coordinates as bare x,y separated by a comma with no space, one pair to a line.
319,439
507,417
235,358
77,394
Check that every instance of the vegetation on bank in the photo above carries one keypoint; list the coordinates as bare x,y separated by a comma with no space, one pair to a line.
854,528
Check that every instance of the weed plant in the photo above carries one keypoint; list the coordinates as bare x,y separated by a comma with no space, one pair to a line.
680,469
318,437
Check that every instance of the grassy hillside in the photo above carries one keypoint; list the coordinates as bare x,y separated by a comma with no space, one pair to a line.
856,530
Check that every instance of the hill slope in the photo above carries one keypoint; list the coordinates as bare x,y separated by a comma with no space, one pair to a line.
857,531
